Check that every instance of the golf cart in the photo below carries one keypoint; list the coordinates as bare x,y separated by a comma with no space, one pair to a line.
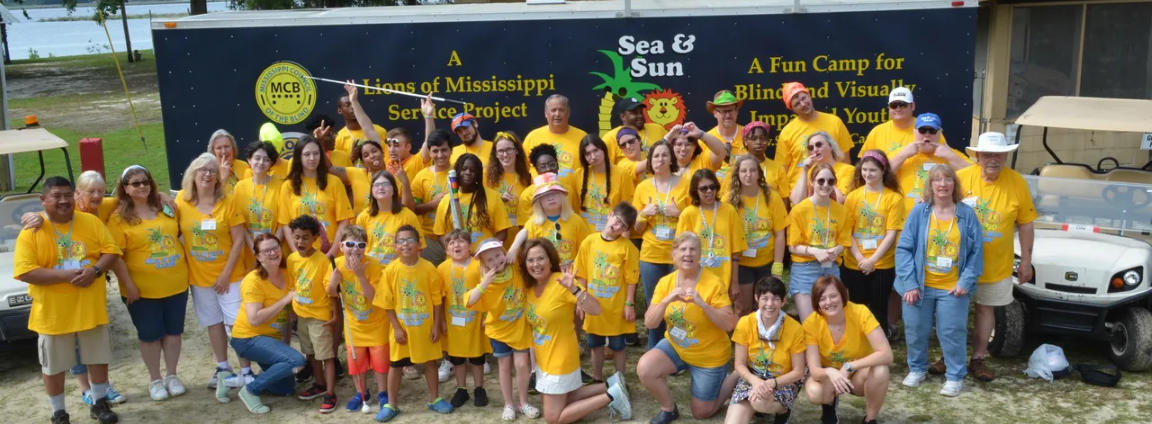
15,303
1091,257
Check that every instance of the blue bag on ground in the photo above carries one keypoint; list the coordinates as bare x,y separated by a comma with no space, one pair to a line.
1045,361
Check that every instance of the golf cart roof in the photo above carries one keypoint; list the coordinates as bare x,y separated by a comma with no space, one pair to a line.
29,140
1089,113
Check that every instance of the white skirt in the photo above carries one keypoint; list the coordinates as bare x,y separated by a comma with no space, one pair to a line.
551,384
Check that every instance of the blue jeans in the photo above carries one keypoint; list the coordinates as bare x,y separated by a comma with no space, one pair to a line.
951,313
650,274
706,382
275,358
805,274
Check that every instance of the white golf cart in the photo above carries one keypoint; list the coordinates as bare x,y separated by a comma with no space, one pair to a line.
15,303
1091,256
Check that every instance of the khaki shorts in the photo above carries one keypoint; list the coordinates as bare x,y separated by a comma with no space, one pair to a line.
58,352
315,338
994,294
434,251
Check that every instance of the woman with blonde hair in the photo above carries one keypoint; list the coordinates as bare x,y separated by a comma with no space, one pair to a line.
822,149
222,146
765,219
818,234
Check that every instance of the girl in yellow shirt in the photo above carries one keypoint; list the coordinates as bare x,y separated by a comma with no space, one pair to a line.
507,173
718,225
311,190
875,217
601,185
481,211
764,219
552,219
770,359
256,197
690,157
223,146
632,162
543,158
822,150
383,217
818,234
466,339
155,286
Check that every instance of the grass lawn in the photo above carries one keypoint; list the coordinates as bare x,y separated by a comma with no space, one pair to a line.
121,148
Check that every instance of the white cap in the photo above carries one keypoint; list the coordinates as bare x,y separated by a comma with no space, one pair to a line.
901,94
992,142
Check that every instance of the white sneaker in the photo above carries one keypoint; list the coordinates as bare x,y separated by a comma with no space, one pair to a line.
487,369
175,386
620,403
617,378
952,388
914,379
157,390
445,371
236,381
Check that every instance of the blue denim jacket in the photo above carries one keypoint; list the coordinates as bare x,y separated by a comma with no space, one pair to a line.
911,249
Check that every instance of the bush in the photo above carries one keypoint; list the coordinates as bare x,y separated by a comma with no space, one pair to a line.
33,54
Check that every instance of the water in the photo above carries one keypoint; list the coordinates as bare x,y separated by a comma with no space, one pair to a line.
84,37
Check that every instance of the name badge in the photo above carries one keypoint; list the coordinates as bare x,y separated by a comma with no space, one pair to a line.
599,225
943,262
750,253
665,233
970,201
208,224
70,264
458,321
710,262
869,244
512,220
678,333
929,166
827,264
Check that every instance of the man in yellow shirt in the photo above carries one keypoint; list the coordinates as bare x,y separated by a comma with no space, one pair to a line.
631,113
64,264
465,127
893,135
913,162
1002,201
352,133
726,108
564,137
792,144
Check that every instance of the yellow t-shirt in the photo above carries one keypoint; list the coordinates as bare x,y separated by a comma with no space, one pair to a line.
382,232
510,183
762,357
943,251
484,152
567,243
649,135
608,268
660,230
361,184
553,336
153,255
913,176
890,138
695,338
792,143
63,308
279,170
599,201
239,170
206,248
260,290
347,139
761,222
567,146
413,292
629,168
258,205
497,217
721,235
413,165
870,216
737,140
310,276
821,227
524,204
1001,206
845,176
329,206
701,161
366,324
425,187
104,211
774,174
504,302
854,345
465,337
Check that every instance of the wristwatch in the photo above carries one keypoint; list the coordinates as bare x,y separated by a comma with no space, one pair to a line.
99,272
848,367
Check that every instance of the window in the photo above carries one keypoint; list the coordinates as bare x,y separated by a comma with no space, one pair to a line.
1045,52
1117,51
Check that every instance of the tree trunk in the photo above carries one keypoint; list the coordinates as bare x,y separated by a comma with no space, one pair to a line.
127,39
198,7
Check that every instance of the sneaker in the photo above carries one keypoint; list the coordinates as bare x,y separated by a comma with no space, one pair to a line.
313,392
977,368
828,412
459,398
938,368
113,396
252,402
617,379
509,413
487,368
479,397
174,385
356,402
665,417
952,388
529,411
329,404
102,412
157,391
237,381
222,389
212,381
872,421
61,417
679,372
382,397
587,379
410,373
914,379
782,418
631,339
441,406
620,403
387,413
532,384
445,371
339,368
304,375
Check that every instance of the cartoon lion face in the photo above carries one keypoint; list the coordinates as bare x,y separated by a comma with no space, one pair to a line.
665,108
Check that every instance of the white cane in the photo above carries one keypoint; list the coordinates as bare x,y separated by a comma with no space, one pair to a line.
351,346
386,90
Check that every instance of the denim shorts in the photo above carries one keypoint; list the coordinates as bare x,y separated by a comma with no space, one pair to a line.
805,274
501,349
616,343
706,382
156,318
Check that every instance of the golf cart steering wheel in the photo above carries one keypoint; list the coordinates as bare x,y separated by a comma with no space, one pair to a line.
1100,164
1127,198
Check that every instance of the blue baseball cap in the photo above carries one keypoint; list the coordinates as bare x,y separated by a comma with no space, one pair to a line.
927,120
462,120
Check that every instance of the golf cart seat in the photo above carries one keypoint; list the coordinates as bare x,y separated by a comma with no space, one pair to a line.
1079,171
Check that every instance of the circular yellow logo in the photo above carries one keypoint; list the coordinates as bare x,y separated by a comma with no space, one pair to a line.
285,94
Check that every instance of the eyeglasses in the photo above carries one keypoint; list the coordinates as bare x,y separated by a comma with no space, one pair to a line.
381,184
406,241
816,145
927,130
826,181
270,252
208,171
392,142
897,105
709,188
731,111
138,183
355,244
505,152
630,142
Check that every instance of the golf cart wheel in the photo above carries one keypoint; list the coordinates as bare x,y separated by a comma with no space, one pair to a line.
1131,344
1008,334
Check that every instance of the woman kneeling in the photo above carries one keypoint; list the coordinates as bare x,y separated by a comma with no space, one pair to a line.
769,357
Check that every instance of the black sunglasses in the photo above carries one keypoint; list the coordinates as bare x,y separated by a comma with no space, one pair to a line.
927,130
558,230
139,183
897,105
828,181
710,187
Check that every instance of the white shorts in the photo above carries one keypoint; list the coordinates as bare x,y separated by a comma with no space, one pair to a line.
994,294
550,384
212,308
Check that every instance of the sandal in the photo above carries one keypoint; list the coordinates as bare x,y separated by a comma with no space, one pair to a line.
509,413
529,411
441,406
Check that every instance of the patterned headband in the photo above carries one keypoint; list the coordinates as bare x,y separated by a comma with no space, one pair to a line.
507,135
877,157
131,167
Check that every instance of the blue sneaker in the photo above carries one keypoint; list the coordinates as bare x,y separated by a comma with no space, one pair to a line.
113,397
356,403
441,406
387,413
382,397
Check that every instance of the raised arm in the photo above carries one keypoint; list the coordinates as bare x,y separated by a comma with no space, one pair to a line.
361,117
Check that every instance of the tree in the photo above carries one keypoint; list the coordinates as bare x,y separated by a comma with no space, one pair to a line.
198,7
109,8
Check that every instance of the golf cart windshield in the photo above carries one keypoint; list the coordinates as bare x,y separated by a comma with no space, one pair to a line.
1119,208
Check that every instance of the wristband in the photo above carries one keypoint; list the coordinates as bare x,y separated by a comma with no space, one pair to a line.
627,303
778,268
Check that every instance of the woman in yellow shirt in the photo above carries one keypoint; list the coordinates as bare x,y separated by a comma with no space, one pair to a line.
263,320
552,219
155,286
847,352
764,219
717,224
633,162
822,150
481,211
601,185
690,156
383,217
552,300
223,146
507,173
695,306
818,234
875,215
311,190
769,357
256,197
90,197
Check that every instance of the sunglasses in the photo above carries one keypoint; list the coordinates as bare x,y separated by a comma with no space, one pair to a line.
816,145
826,181
927,130
355,244
709,188
392,142
897,105
630,142
558,231
138,183
407,241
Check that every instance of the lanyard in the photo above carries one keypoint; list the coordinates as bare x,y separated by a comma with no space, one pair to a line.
950,222
879,196
667,194
598,201
304,192
827,222
262,195
750,225
62,236
704,220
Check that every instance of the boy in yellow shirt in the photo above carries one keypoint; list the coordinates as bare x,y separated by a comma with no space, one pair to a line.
607,263
412,297
465,335
354,279
316,314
